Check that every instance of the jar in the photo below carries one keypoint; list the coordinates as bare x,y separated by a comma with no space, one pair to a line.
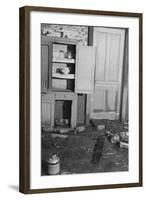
61,54
69,55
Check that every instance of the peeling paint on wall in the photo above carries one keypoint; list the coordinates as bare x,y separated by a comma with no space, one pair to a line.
79,33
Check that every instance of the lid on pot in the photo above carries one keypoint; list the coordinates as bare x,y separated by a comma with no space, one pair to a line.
53,159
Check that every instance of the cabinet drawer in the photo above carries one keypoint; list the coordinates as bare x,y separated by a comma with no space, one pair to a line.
64,95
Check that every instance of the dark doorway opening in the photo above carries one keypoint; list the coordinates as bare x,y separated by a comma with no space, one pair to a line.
62,113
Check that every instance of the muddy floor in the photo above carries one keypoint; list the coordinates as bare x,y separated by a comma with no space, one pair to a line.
89,151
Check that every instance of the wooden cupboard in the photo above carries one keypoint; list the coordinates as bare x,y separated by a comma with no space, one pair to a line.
66,71
60,55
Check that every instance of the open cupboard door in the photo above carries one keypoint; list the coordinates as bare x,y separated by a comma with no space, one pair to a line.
85,65
44,68
106,100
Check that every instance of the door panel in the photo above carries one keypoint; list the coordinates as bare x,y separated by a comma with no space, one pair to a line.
101,39
111,97
97,103
85,65
113,55
105,102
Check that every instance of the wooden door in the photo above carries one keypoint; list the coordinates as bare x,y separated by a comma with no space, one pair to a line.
105,102
85,66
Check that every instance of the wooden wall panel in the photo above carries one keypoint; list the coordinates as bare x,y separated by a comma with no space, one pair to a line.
46,113
47,109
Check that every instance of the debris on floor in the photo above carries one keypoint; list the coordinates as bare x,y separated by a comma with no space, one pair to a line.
115,138
124,136
61,122
79,129
54,135
121,137
124,145
48,129
64,130
101,127
90,151
98,126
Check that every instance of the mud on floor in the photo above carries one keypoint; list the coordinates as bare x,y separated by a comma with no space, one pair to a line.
89,151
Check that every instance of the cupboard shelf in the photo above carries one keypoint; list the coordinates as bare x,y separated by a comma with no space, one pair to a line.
63,60
62,76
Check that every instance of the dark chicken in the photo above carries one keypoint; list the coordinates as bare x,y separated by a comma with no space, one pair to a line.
98,149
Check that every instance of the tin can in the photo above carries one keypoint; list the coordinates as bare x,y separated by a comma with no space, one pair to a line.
53,165
115,138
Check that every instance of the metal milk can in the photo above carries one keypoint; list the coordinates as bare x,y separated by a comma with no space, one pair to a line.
53,163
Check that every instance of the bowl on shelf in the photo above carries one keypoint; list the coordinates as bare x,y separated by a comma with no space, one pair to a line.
65,70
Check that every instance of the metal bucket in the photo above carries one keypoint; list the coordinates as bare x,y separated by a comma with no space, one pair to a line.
53,165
